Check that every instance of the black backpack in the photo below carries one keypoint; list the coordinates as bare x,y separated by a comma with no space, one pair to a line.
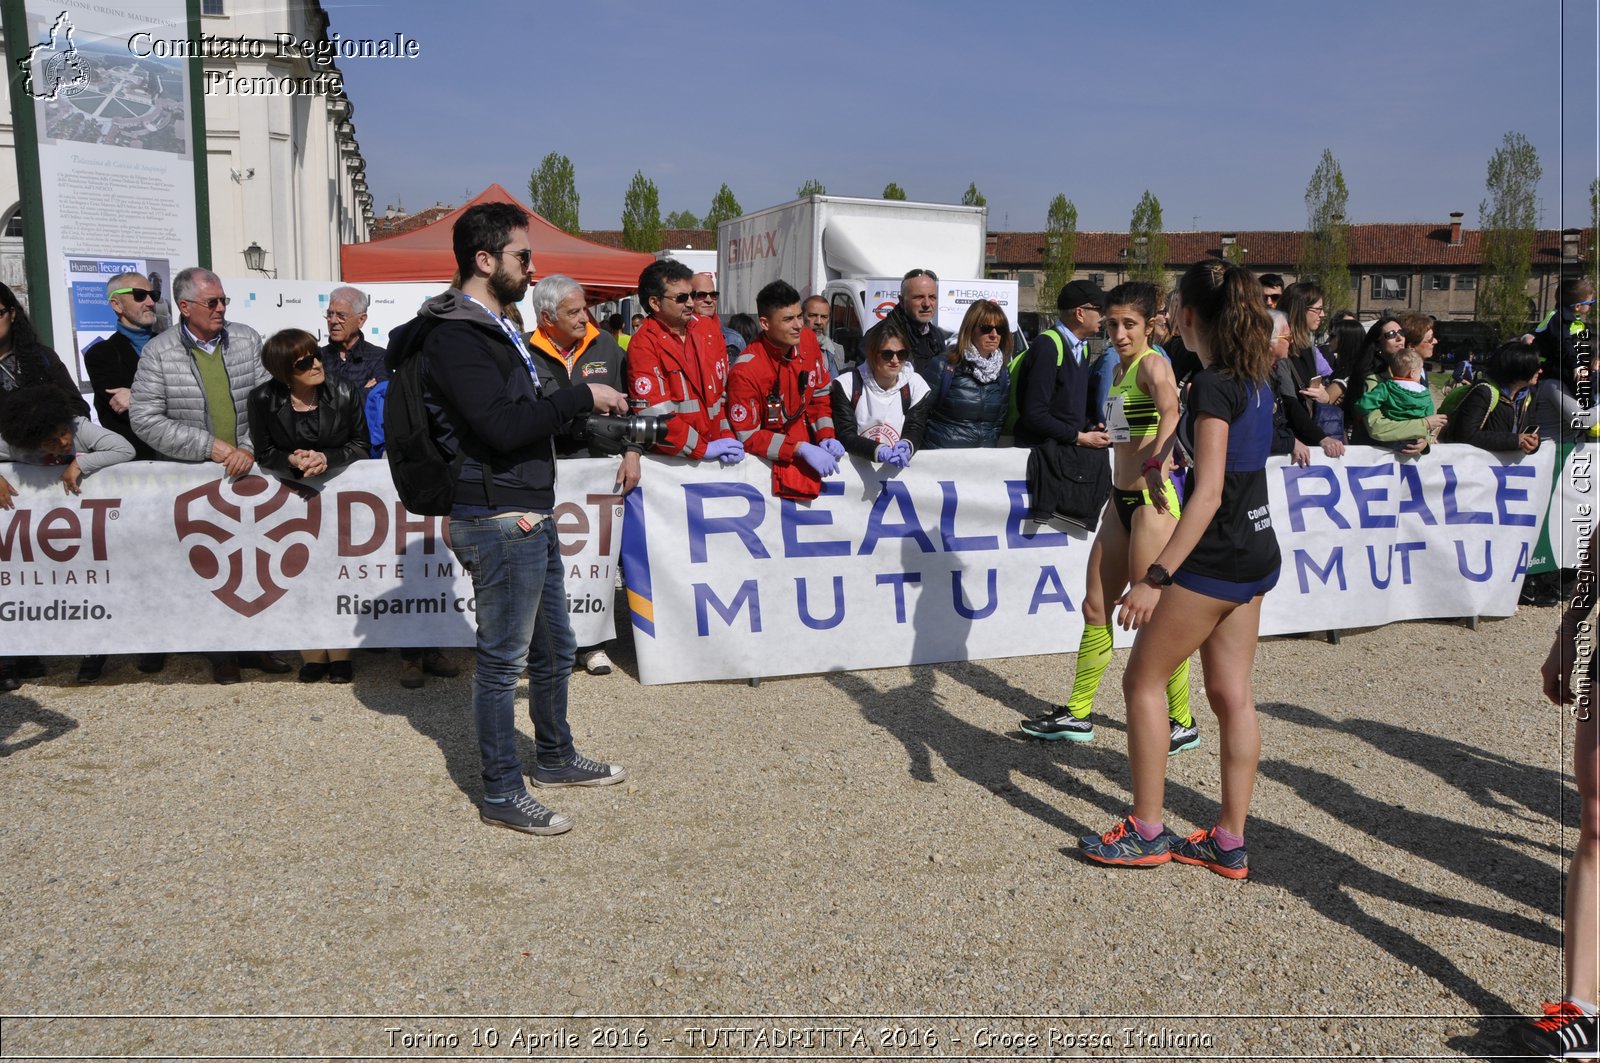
423,476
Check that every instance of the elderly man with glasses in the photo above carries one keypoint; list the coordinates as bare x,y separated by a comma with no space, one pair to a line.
348,354
918,306
190,402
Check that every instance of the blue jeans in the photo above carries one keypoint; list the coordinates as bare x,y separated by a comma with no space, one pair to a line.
518,580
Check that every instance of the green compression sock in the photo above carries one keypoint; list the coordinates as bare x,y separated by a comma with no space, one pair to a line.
1094,654
1178,696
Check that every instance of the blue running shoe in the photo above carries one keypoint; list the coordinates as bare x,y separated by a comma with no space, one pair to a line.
1200,848
1123,847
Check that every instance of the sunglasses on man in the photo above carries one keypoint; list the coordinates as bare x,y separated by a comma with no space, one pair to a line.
139,294
706,295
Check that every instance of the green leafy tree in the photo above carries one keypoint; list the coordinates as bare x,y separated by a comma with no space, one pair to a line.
1325,252
682,219
1149,251
1060,250
1594,229
553,189
893,191
1508,218
812,187
641,214
972,197
723,207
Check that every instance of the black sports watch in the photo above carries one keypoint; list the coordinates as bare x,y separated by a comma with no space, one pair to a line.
1158,576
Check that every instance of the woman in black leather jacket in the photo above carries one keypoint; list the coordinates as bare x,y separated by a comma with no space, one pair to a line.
305,423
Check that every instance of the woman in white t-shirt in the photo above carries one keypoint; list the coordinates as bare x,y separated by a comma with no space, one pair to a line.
880,409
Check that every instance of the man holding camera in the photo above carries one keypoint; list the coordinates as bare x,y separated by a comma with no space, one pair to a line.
569,349
488,408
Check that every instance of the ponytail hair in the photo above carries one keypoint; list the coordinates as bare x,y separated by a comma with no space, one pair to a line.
1233,314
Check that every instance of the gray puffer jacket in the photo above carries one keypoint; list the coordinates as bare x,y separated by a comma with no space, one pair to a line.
168,405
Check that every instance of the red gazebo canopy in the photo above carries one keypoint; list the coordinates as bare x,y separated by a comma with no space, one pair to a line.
425,254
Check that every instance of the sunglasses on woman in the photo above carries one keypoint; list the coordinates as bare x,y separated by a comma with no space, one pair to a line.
985,330
302,364
893,355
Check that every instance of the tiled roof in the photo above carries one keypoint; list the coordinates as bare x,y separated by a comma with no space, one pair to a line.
692,239
1380,245
385,227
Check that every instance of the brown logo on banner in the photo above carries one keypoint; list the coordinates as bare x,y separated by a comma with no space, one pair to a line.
251,534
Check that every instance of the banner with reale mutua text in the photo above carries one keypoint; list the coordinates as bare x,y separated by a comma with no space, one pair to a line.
156,556
939,562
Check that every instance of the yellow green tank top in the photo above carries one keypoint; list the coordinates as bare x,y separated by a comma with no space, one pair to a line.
1130,408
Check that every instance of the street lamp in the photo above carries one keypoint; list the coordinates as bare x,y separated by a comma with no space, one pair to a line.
255,260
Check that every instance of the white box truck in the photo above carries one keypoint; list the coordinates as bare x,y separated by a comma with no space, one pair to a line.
852,252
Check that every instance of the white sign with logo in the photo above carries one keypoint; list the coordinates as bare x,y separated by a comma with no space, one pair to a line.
158,556
955,297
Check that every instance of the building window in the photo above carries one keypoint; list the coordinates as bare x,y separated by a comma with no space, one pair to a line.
1355,282
1466,282
1097,279
1027,278
1438,282
13,227
1391,286
211,7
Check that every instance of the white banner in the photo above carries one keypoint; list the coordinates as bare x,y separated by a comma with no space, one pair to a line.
939,562
156,556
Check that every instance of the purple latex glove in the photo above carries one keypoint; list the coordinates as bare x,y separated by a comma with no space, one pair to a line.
823,463
728,451
834,447
885,454
902,453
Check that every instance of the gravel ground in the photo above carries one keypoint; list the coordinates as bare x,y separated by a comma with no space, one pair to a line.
837,847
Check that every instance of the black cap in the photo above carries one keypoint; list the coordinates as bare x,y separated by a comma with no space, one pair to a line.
1080,293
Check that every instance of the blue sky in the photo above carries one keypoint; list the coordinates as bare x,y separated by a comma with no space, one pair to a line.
1222,109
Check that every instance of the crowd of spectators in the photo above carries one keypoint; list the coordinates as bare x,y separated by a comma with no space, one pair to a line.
775,383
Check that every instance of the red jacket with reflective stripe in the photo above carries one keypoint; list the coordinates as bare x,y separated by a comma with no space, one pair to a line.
686,377
763,370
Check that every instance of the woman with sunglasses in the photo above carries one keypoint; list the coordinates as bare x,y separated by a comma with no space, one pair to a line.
1385,339
880,410
970,384
305,423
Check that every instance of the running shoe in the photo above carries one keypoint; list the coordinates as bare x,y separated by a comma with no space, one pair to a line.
1201,849
1183,738
1123,847
1565,1032
1059,725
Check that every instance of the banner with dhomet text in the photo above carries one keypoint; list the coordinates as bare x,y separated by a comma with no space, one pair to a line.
939,562
158,556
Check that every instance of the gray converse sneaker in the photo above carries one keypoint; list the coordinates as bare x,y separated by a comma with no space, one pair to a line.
524,814
580,771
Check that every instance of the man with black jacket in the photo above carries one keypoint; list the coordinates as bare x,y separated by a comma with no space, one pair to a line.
486,406
1053,381
113,361
918,306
